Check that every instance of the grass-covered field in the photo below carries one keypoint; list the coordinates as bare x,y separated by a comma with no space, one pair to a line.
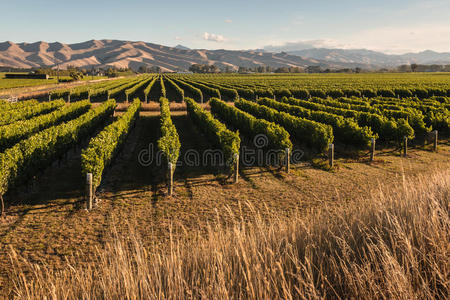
18,83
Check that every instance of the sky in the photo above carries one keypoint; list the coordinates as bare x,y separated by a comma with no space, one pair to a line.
395,26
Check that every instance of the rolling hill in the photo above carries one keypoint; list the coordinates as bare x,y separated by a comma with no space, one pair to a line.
104,53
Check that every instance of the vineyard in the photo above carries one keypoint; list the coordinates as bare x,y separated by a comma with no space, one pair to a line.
320,115
152,138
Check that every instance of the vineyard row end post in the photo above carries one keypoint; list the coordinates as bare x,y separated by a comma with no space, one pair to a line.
405,146
170,187
89,191
236,168
435,146
331,155
372,151
288,160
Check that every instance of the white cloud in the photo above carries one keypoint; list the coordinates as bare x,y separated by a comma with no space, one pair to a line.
178,38
214,37
228,21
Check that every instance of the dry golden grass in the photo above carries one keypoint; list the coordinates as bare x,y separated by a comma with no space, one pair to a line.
395,244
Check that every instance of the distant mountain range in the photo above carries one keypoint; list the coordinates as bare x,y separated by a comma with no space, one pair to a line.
104,53
372,59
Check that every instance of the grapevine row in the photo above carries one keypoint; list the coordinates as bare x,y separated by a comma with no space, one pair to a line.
8,117
388,130
228,141
13,133
277,136
169,142
24,159
344,129
104,146
316,135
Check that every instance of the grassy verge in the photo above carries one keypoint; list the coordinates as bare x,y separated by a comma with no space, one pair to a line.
391,244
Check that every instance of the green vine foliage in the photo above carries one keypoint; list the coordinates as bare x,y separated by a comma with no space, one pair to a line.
206,90
346,130
27,157
5,106
314,134
195,92
386,128
103,147
169,142
179,91
228,141
13,133
10,116
249,125
163,87
149,86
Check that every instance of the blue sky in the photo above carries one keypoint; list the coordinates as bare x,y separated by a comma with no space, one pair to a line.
390,26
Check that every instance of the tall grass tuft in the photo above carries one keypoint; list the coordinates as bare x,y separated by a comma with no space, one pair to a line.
393,244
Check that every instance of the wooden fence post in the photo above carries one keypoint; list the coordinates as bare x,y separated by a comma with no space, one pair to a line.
89,192
372,151
2,207
49,97
331,155
405,146
146,100
170,187
236,168
288,160
127,98
68,98
435,147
